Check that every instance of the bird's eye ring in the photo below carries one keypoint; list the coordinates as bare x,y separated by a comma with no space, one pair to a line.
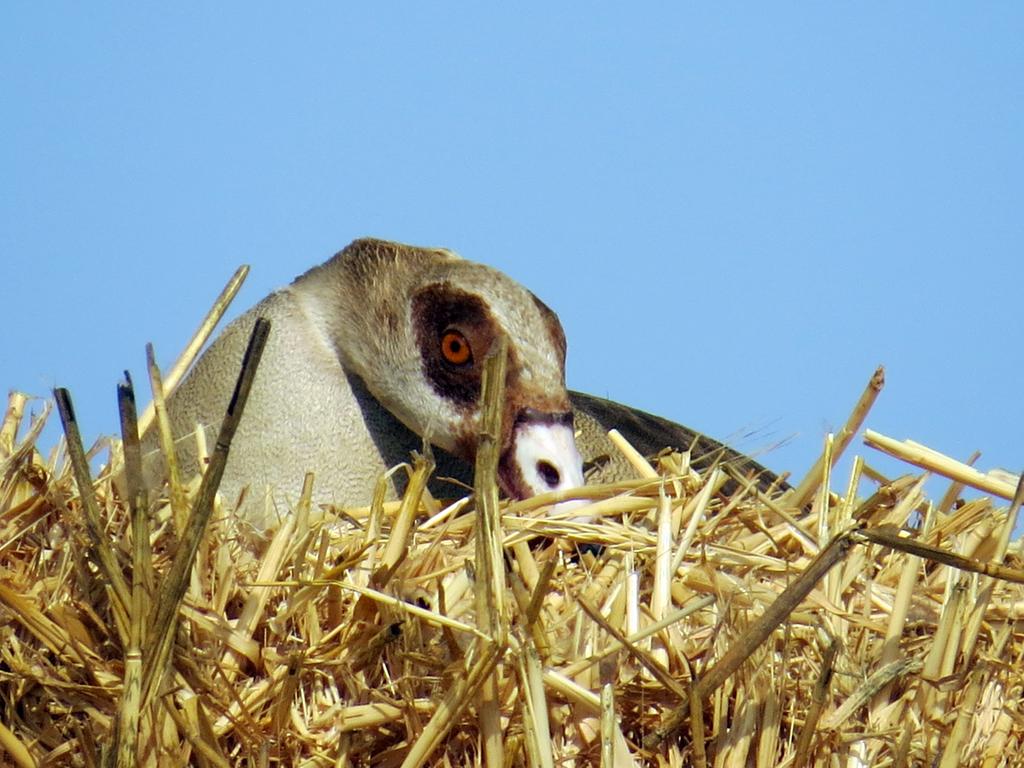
455,348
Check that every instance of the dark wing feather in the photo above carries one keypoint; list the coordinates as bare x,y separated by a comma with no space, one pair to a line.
649,434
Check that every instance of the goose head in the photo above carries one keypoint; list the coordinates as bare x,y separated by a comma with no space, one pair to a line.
415,324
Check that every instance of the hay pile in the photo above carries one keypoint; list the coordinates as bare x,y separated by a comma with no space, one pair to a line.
705,629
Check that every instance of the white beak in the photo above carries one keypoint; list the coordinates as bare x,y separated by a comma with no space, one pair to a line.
547,457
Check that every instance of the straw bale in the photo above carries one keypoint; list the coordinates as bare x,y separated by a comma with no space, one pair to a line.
680,626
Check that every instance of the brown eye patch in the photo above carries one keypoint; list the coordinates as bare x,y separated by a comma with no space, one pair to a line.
454,330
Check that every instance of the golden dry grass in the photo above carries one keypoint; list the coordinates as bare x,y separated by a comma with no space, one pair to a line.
845,622
707,630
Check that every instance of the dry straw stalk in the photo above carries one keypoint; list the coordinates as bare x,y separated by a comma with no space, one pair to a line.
684,625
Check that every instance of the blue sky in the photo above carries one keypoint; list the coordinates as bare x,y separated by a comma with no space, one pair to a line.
737,210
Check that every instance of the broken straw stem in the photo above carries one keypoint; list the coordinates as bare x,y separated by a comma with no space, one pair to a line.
165,614
195,344
933,461
803,492
126,729
80,467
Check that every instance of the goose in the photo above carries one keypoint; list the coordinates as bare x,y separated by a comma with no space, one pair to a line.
379,350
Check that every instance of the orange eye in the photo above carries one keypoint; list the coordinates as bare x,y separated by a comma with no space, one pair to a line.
455,348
